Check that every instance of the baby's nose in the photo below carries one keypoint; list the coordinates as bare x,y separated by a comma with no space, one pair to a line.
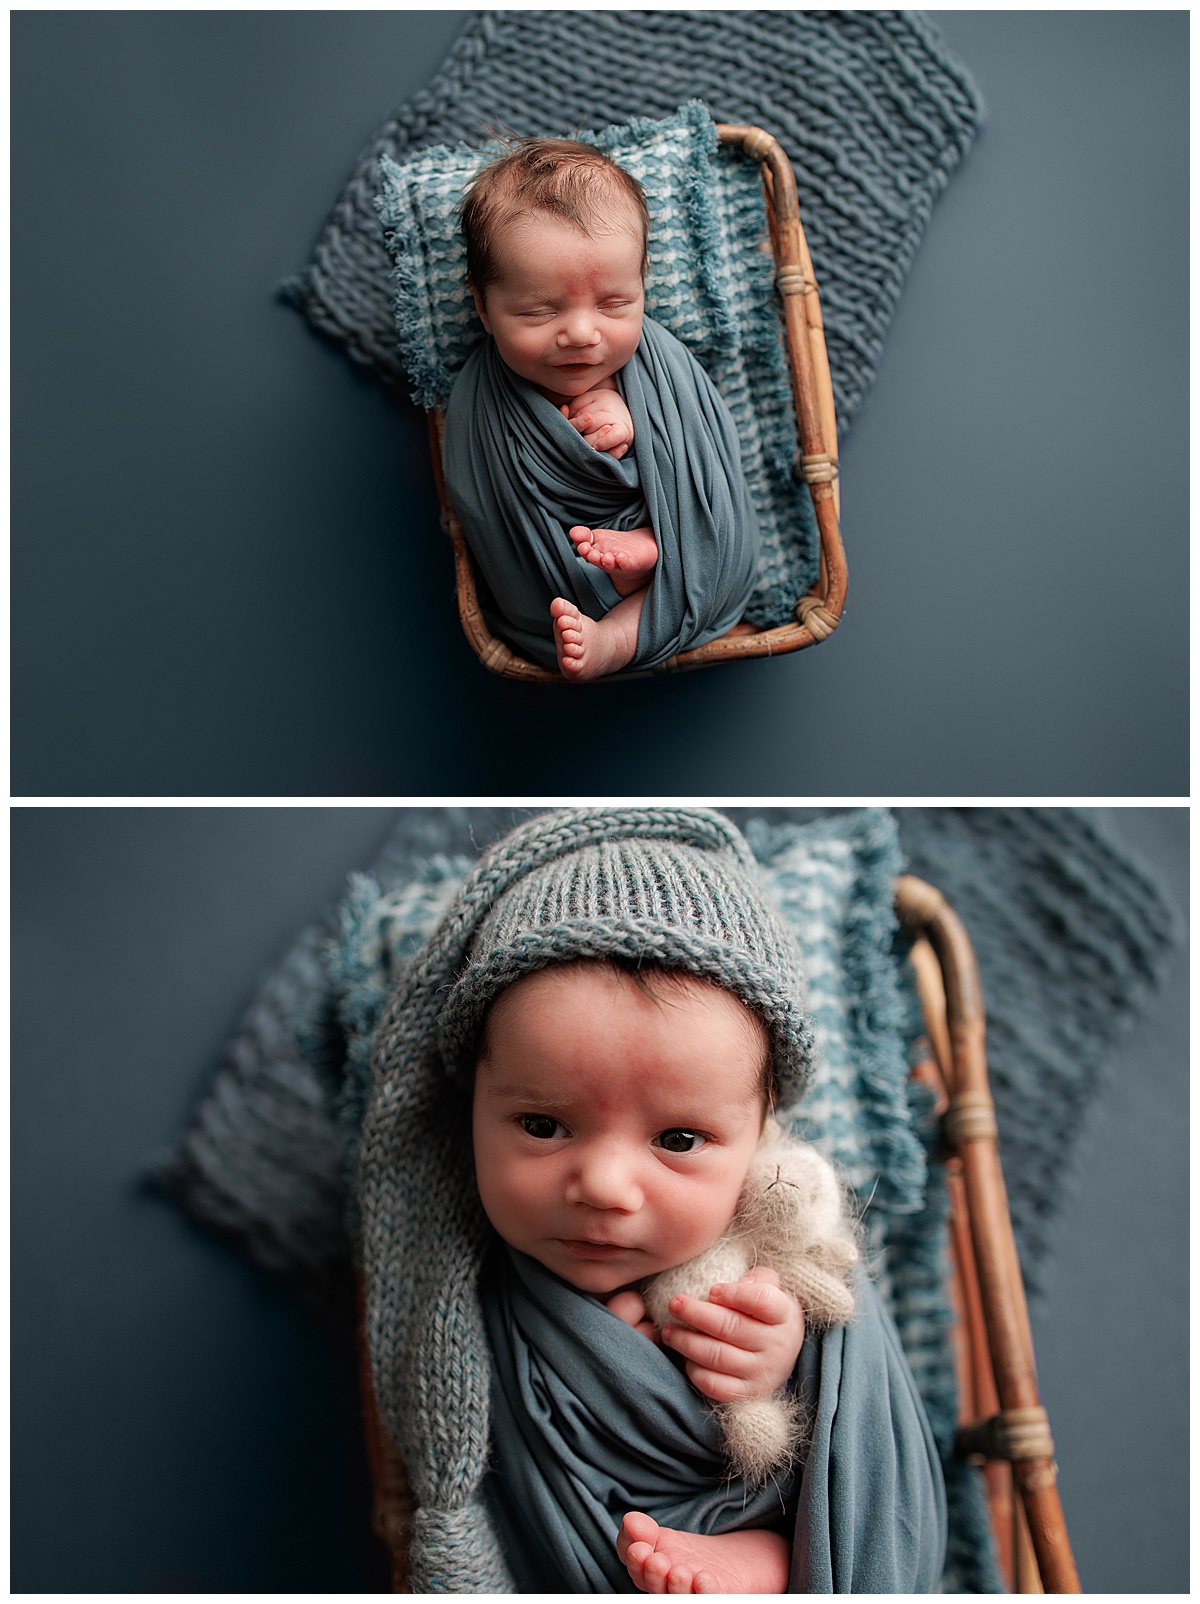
605,1179
579,329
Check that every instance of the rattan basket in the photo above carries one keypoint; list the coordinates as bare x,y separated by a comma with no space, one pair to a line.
816,614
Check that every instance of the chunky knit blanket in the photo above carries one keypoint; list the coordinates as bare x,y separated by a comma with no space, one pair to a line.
872,108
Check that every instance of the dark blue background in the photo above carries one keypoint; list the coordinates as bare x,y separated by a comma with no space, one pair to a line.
228,576
179,1425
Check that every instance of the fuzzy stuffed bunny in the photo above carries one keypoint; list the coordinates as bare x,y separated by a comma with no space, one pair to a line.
791,1217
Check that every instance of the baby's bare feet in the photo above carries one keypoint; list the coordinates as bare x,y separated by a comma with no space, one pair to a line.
629,551
632,551
660,1560
589,648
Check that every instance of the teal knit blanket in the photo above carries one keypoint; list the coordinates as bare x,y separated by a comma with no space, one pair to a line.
871,107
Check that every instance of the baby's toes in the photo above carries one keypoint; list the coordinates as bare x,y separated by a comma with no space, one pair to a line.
636,1564
636,1528
680,1579
634,1561
655,1573
705,1582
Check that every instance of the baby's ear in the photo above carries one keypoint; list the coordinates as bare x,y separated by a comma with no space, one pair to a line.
478,299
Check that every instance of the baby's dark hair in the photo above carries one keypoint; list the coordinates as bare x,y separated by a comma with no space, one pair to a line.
654,981
565,177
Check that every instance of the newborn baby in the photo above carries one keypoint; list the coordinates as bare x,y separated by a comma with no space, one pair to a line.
615,1119
594,466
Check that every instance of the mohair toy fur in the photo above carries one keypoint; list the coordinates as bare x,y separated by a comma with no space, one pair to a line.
791,1218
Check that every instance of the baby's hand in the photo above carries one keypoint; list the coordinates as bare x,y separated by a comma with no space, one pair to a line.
742,1341
603,420
629,1306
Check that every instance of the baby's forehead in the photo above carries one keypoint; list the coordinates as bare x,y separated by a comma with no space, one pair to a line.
656,995
520,228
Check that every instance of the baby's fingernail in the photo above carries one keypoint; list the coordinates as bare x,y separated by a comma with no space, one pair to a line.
718,1291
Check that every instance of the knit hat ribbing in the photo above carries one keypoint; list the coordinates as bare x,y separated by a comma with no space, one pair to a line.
649,899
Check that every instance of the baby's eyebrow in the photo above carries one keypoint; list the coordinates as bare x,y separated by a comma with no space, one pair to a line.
521,1092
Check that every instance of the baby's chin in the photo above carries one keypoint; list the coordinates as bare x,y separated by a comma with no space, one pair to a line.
564,384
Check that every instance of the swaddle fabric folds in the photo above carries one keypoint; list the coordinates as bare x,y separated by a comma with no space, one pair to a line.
591,1420
520,475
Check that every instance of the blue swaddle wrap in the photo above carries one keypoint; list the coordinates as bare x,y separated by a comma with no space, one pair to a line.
591,1420
520,475
871,1516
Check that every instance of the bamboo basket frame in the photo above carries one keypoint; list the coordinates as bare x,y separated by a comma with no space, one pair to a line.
816,614
1002,1425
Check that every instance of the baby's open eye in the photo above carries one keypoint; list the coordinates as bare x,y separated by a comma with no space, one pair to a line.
541,1126
679,1141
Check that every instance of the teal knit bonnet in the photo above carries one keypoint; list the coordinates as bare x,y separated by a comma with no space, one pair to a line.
662,889
668,887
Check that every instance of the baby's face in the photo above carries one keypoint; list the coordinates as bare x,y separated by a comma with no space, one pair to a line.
613,1129
567,308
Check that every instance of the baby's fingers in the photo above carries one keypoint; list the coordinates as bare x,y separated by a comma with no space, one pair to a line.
718,1386
709,1353
711,1318
627,1306
757,1297
600,432
734,1320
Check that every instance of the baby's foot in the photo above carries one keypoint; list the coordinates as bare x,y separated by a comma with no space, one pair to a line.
589,648
627,551
660,1560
